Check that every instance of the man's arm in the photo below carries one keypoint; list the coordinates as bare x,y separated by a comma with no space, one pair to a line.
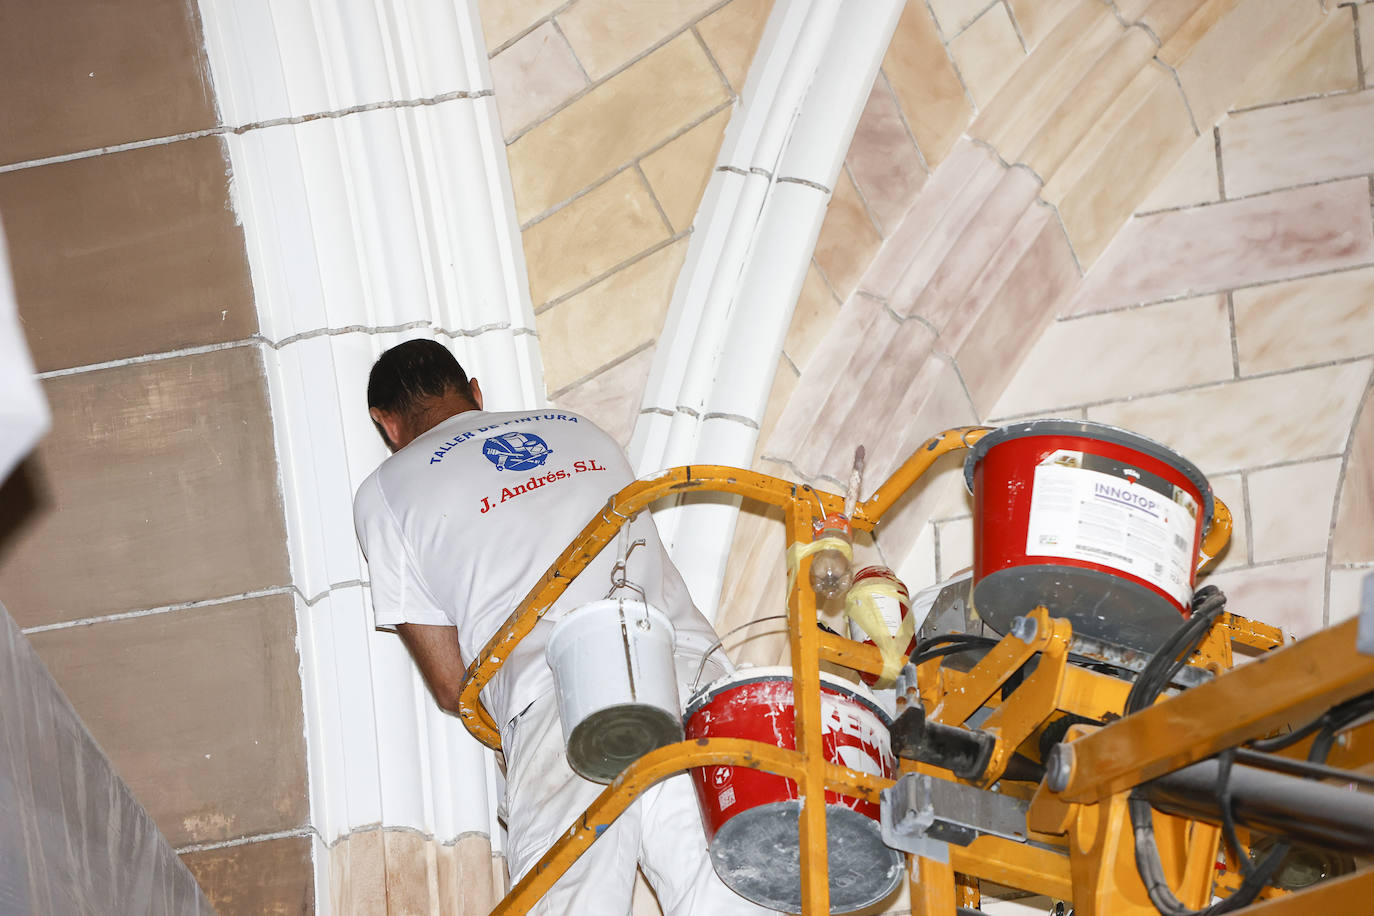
435,650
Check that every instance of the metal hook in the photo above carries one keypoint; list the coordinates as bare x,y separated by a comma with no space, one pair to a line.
619,577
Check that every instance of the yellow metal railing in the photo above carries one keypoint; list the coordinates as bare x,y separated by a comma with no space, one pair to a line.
802,506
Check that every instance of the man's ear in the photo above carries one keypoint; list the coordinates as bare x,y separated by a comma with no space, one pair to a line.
389,424
475,390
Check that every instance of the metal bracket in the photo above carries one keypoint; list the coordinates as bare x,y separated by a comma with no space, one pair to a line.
1364,638
922,812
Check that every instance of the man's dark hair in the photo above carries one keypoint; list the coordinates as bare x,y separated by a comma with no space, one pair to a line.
412,371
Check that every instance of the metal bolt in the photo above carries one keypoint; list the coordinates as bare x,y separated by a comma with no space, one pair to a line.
1024,628
1059,767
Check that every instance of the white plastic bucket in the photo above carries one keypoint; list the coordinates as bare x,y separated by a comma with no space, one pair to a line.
613,668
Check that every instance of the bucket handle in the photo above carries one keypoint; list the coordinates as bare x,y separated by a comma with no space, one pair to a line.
710,650
619,578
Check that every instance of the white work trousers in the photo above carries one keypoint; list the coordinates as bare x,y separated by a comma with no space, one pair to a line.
660,832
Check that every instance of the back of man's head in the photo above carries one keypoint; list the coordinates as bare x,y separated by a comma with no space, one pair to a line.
410,374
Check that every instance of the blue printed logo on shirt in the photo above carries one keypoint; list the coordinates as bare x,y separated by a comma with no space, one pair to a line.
516,451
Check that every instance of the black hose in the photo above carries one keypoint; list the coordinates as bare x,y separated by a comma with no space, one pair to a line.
1208,604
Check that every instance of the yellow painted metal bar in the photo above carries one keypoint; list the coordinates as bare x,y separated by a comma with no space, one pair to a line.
806,765
659,765
1346,894
1291,684
1217,535
933,891
1019,865
803,637
851,654
1034,700
599,532
1251,632
992,671
875,507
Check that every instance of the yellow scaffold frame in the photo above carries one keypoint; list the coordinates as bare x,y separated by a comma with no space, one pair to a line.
1077,853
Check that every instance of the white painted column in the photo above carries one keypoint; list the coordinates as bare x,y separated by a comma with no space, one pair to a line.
370,177
752,242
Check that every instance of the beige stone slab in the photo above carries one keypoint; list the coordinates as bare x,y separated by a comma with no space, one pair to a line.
590,236
156,486
830,403
1097,96
967,162
922,252
955,539
679,170
628,115
1315,140
755,577
127,253
1119,162
263,877
1178,23
816,311
1320,62
199,710
611,398
1122,355
926,84
503,20
732,34
533,77
1047,78
1233,244
953,16
1217,57
604,322
1347,590
357,873
1292,508
1288,595
883,159
1229,489
1037,18
86,76
1305,321
1353,539
893,362
934,400
860,320
410,864
970,254
941,489
991,282
1009,324
1192,180
848,238
987,53
606,34
1251,422
916,569
476,874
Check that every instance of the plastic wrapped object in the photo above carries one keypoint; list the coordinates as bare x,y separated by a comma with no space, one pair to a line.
72,838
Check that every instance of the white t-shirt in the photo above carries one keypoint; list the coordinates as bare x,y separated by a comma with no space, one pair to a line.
462,522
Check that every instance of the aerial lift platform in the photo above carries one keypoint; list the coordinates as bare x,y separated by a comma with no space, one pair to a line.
1094,784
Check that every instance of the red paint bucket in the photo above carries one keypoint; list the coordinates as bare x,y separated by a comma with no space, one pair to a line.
751,817
1100,525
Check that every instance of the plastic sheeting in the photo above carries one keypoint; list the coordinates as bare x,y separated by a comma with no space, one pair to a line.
72,838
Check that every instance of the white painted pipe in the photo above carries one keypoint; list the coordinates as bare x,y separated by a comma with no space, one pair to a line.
762,236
